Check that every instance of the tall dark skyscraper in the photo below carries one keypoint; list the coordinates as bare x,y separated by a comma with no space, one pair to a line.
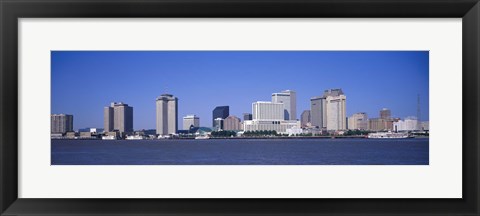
220,112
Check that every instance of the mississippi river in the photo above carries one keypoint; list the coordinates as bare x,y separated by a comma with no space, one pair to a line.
241,152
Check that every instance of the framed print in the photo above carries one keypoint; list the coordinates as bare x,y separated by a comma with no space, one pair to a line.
225,107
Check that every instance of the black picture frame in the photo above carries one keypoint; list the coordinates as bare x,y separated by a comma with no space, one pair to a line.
12,10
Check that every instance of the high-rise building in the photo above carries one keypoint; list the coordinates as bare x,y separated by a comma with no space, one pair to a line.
231,123
61,123
247,116
265,110
385,113
167,114
358,121
318,112
220,112
119,116
305,118
336,112
289,100
329,111
269,116
190,120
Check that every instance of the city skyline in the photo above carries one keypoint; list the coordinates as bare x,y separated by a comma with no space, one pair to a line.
201,82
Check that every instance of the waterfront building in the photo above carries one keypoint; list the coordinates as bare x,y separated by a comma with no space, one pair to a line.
318,112
385,113
218,122
167,114
409,124
425,125
329,111
265,110
190,120
358,121
220,112
232,123
92,130
118,116
305,118
289,100
269,116
61,123
278,126
377,124
247,116
336,111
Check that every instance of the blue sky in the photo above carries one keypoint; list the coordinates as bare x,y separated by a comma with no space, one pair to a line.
83,82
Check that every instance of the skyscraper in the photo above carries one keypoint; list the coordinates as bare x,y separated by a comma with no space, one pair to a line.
119,116
318,112
167,114
336,109
329,111
61,123
305,118
190,120
289,100
220,112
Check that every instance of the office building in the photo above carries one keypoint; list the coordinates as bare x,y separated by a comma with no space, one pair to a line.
329,110
305,118
378,124
167,114
265,110
189,121
61,123
336,111
278,126
232,123
385,113
318,112
220,112
218,124
247,116
409,124
269,116
358,121
289,100
118,116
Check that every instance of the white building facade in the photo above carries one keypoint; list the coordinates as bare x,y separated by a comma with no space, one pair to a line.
266,110
269,116
336,112
289,100
409,124
358,121
190,120
167,114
